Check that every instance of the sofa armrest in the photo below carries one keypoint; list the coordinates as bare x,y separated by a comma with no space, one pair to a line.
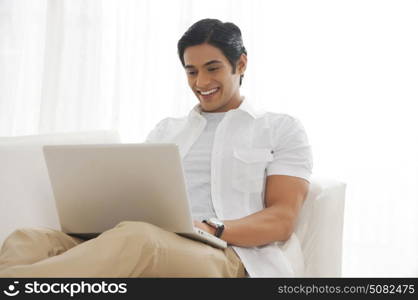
320,228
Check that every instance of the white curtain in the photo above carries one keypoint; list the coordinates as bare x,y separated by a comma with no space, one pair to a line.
347,69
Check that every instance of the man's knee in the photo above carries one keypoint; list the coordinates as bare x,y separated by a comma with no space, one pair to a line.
137,232
137,226
39,236
29,233
29,245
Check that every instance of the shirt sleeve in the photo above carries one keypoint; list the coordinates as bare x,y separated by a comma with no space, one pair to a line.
292,154
155,134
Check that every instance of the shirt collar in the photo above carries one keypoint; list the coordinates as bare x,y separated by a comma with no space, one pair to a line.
245,107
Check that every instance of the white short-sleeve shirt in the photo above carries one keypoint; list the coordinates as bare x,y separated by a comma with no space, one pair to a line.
248,145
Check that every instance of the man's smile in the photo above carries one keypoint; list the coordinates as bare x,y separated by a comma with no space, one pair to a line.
207,94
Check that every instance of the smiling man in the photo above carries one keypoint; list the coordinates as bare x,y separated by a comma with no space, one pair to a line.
215,82
247,172
247,176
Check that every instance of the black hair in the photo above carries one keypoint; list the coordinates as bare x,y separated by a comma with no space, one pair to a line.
224,36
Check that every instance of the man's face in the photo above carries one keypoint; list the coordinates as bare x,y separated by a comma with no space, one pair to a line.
210,77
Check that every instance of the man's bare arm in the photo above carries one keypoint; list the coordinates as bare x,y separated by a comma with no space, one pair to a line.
284,197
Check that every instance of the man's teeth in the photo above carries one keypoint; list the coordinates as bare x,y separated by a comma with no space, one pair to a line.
208,92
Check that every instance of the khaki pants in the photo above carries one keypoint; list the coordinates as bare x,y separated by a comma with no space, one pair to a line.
131,249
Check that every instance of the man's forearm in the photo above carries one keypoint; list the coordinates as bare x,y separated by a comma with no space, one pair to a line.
263,227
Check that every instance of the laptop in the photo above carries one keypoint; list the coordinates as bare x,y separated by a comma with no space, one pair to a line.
97,186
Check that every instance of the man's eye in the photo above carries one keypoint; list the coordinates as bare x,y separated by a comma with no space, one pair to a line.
212,69
191,72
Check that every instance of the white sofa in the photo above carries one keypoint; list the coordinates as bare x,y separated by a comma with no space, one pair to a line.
26,199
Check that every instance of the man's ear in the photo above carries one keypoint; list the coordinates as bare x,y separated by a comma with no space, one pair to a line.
242,64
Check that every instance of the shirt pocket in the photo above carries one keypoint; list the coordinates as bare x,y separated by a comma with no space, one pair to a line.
248,169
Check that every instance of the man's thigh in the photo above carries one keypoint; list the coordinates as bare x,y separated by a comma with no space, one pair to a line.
177,256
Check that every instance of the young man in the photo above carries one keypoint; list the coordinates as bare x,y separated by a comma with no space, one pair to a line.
247,175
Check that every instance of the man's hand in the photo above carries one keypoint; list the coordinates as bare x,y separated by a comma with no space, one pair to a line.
204,227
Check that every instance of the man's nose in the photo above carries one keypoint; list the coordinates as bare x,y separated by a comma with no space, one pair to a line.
202,80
